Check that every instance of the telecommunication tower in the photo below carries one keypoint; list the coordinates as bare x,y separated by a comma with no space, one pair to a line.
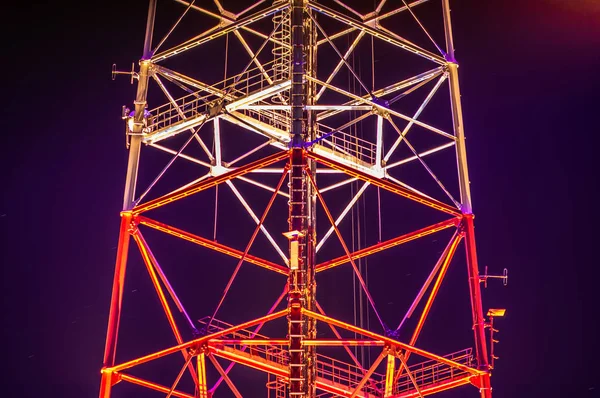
300,108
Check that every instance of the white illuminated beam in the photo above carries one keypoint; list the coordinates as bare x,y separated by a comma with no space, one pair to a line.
422,154
261,185
213,34
257,221
341,217
271,107
397,181
382,109
181,155
231,107
389,89
204,177
337,185
373,19
226,19
415,116
340,64
181,114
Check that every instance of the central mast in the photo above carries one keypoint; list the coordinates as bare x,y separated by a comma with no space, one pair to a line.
301,283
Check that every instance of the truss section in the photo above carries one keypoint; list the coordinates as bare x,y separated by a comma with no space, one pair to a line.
296,128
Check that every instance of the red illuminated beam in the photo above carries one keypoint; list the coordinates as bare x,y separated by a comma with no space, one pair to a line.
249,360
435,388
436,287
389,243
387,185
193,343
285,342
150,262
151,385
277,369
211,182
392,342
211,244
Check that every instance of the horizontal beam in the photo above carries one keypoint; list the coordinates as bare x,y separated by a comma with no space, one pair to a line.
211,35
277,369
373,17
392,88
391,342
381,108
153,386
249,360
435,388
211,244
194,343
217,342
226,18
396,41
211,182
389,244
388,186
285,342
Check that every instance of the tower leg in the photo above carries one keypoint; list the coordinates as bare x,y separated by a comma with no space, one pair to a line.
128,203
466,207
117,291
476,306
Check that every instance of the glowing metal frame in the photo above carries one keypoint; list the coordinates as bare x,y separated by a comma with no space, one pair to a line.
305,150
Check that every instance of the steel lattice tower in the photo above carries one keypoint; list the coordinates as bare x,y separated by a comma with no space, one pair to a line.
318,130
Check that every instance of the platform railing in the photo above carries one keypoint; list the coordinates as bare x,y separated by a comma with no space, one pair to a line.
433,372
348,375
196,103
348,145
328,369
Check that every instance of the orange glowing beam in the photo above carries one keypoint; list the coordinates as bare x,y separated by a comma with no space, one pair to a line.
150,260
388,244
217,342
339,337
151,385
209,183
321,342
367,375
391,342
223,374
389,376
211,244
277,369
195,342
202,388
338,343
389,186
435,388
116,299
436,287
251,361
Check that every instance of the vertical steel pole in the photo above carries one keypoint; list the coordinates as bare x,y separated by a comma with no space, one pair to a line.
310,35
467,208
126,217
117,291
389,376
302,365
379,147
202,386
476,306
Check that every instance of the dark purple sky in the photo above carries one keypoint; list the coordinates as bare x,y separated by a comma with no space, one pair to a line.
529,75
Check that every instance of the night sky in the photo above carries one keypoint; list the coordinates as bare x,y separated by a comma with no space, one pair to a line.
529,82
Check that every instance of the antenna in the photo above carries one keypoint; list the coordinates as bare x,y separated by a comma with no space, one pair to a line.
504,277
116,72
